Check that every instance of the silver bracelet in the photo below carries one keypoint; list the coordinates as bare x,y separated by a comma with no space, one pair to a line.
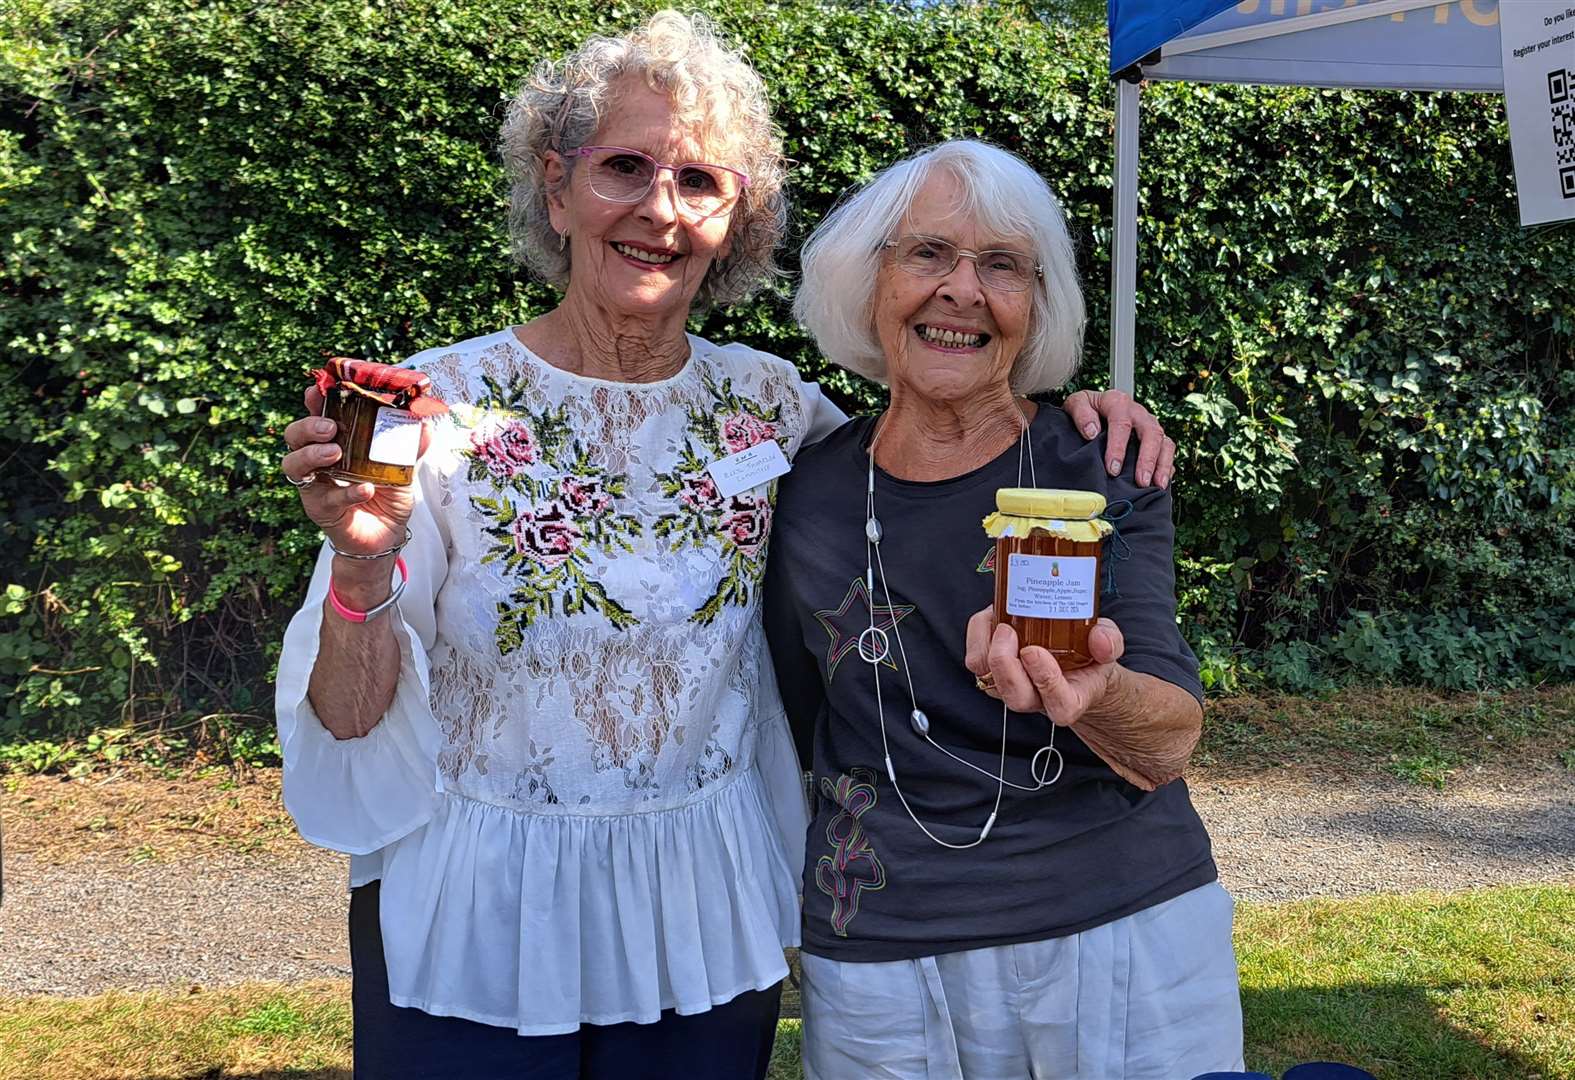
393,598
395,550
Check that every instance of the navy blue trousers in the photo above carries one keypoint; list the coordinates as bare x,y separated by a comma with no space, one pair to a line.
730,1042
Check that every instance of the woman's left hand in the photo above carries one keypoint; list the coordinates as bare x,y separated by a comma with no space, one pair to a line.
1030,680
1123,415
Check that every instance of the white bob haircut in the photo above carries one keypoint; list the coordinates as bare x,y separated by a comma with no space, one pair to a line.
1005,197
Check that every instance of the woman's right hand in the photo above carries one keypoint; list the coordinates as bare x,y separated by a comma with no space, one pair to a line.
360,519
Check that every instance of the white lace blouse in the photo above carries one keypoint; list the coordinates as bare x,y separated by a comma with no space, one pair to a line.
583,803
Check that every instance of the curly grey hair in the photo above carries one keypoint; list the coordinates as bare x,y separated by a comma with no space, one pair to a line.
713,90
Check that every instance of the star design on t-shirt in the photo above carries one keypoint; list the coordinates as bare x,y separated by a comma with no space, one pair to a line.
845,631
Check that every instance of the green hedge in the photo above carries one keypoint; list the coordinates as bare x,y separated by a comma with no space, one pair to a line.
1355,345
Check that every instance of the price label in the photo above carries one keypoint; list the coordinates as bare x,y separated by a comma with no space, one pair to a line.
396,438
1051,586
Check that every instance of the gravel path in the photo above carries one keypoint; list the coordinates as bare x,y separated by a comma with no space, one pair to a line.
1288,839
96,923
102,920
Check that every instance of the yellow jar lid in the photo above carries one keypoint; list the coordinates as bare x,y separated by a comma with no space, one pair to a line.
1067,515
1049,503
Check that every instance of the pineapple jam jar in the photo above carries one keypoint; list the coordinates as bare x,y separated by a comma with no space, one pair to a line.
1049,552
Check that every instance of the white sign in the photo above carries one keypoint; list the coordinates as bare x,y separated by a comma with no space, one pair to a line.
1537,39
1050,586
396,438
748,468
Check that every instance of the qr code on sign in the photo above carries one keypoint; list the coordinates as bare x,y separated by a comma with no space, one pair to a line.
1562,102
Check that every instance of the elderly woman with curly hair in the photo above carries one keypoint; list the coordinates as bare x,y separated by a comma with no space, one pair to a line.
1005,875
560,761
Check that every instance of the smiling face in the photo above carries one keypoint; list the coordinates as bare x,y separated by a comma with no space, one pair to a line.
646,258
948,338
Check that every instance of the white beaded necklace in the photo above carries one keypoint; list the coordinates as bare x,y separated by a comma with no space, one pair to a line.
874,647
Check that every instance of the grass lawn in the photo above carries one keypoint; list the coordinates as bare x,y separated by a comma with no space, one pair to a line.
1475,985
1420,736
1414,987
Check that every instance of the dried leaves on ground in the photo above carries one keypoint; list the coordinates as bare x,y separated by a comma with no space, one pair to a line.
145,814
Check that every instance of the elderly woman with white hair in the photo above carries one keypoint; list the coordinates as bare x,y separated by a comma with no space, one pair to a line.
528,693
1005,877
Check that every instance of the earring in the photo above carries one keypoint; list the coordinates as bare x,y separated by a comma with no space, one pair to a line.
563,240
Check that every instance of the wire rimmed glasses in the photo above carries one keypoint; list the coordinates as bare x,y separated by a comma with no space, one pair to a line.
1000,269
621,175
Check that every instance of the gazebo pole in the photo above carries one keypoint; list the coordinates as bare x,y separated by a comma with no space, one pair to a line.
1123,247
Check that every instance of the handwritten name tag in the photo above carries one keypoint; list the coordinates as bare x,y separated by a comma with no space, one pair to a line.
748,468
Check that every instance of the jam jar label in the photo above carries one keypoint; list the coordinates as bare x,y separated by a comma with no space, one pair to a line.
396,438
1050,586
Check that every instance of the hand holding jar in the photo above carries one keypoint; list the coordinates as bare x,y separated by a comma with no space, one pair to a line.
1051,653
361,502
1028,679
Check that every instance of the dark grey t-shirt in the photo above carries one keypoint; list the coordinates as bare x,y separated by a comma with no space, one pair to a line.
1087,850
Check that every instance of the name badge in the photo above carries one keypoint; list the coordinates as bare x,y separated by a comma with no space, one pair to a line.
748,468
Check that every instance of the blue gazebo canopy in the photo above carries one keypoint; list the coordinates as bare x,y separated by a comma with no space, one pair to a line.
1138,27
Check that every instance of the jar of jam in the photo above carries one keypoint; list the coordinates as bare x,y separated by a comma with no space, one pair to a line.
378,409
1049,552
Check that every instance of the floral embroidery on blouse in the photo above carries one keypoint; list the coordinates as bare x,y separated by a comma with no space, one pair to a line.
552,507
578,668
743,522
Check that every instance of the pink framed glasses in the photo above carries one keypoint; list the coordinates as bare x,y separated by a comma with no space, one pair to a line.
621,175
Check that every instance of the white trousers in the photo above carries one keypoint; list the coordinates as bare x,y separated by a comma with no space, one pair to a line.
1153,996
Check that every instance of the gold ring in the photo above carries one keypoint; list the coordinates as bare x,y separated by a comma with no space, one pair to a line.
985,682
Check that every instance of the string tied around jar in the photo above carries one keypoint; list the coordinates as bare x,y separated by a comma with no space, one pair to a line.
1116,547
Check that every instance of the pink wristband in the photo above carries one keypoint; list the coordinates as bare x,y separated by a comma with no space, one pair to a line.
362,616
